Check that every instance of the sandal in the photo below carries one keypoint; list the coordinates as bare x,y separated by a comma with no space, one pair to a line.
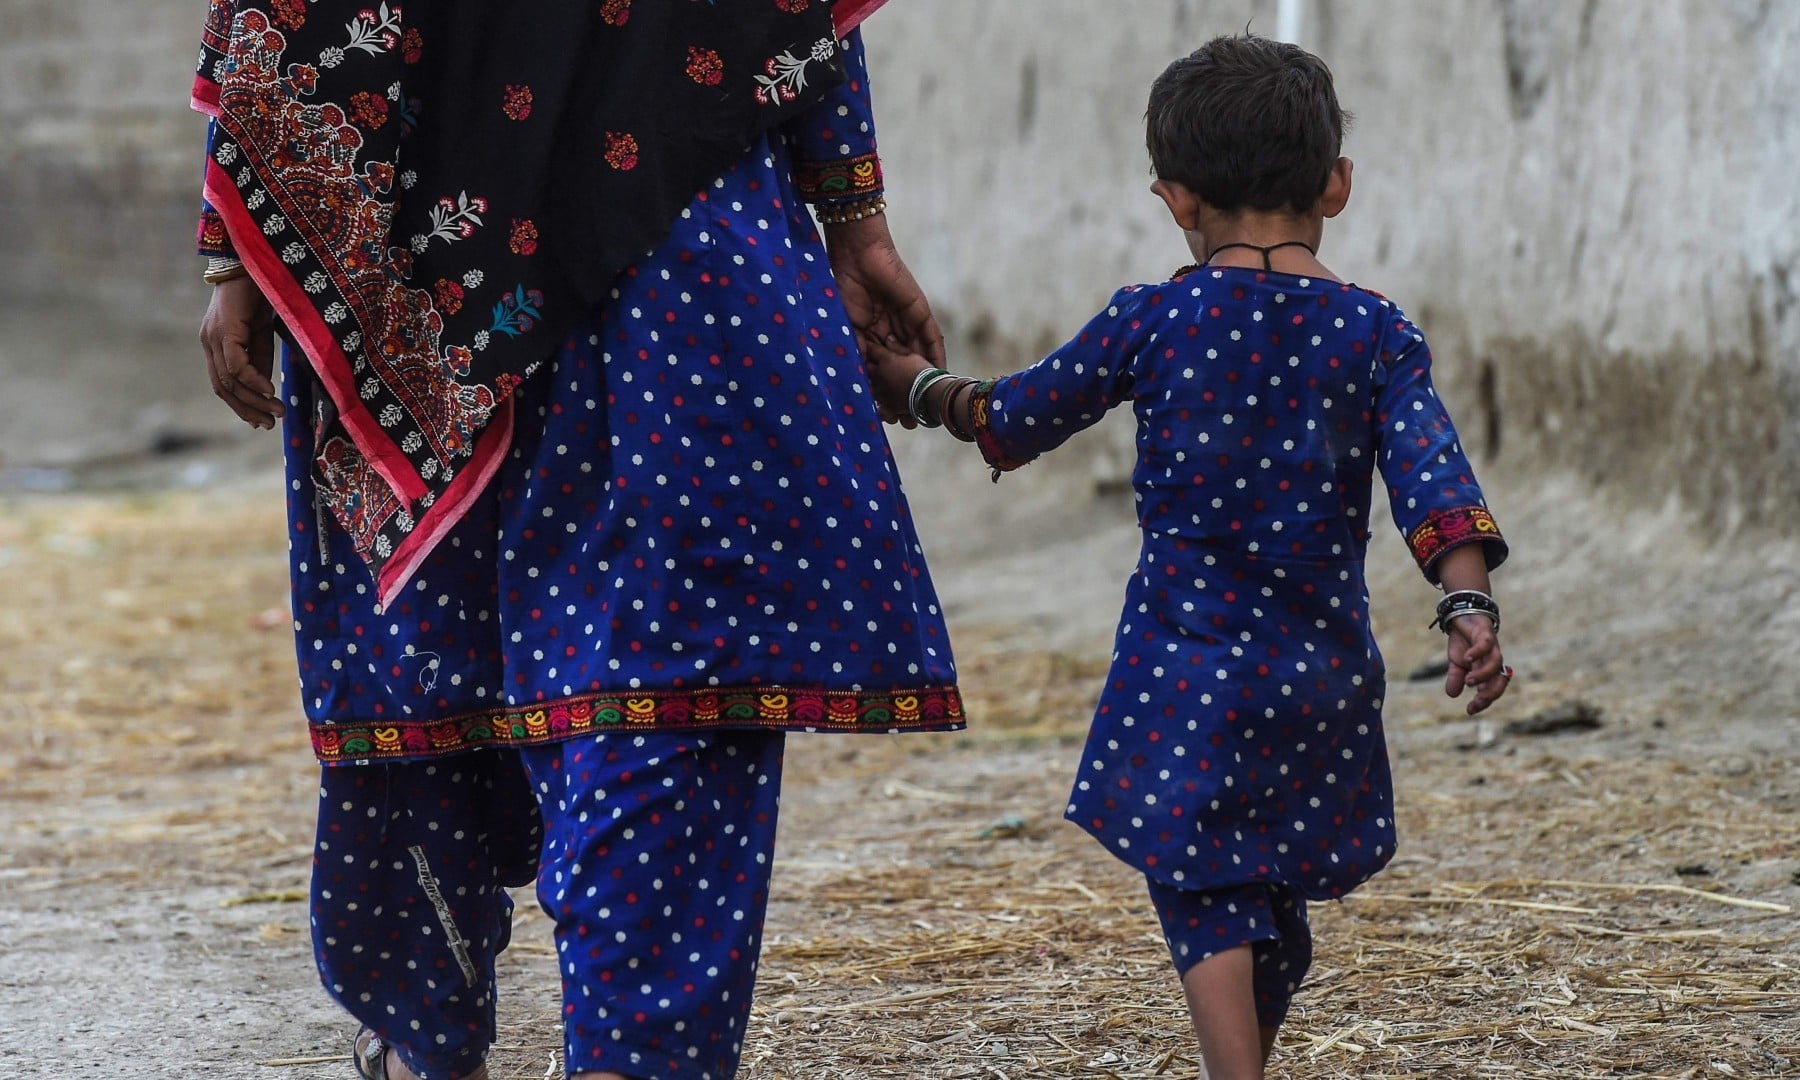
369,1055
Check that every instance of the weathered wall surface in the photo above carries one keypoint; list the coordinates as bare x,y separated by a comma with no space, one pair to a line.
1592,208
99,187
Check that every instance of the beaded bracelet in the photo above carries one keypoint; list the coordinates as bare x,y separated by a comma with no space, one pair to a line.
223,268
846,212
1465,602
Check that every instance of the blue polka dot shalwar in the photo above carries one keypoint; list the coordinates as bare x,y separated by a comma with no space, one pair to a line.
697,542
1238,738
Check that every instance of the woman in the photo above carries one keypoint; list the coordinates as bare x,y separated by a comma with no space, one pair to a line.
568,520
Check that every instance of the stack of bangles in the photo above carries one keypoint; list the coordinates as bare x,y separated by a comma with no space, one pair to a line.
1463,602
223,268
946,412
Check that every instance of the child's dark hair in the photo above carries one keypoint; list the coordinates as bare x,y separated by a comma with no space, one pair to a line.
1246,122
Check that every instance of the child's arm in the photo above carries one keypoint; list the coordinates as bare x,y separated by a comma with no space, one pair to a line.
1439,507
1016,418
1473,648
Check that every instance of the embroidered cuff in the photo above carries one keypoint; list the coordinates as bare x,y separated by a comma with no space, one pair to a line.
1446,530
985,438
843,180
212,239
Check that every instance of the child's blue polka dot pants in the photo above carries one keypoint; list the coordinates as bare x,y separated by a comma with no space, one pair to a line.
1271,919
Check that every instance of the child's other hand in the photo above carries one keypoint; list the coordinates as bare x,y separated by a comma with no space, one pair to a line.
1474,654
891,372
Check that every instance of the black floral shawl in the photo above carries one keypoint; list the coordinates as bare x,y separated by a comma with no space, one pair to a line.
432,197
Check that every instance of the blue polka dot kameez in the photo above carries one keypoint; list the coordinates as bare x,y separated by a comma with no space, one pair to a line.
1238,739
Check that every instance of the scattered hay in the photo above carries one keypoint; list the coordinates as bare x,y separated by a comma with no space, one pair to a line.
1531,928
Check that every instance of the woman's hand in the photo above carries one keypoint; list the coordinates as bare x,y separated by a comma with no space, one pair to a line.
238,336
892,371
885,304
1473,650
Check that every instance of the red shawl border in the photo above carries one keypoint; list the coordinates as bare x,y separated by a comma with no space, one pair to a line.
849,14
333,368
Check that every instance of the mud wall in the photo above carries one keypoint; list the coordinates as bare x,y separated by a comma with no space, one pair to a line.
99,188
1591,208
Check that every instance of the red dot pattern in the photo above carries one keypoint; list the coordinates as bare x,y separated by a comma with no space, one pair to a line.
1238,737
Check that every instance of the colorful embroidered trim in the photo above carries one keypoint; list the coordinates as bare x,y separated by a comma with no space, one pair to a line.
985,438
850,178
1447,529
213,240
929,709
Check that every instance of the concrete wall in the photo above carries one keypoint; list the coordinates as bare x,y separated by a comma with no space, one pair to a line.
1590,207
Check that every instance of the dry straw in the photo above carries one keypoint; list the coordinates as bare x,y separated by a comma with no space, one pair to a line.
932,916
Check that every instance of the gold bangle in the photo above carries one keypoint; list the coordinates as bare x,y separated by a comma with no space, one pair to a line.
844,213
221,268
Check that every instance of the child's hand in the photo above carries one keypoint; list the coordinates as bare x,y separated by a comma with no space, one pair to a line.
891,374
1474,653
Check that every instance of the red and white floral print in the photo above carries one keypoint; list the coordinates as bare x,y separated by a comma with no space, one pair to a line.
784,75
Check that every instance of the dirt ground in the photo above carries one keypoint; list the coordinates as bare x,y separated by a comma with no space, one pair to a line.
1610,902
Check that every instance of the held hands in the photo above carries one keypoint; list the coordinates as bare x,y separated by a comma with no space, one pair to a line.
238,336
886,306
892,370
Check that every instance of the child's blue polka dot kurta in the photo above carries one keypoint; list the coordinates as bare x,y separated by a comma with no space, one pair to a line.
1238,738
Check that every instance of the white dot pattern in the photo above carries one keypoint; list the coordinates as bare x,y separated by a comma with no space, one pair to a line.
385,951
700,498
1270,919
657,854
1238,737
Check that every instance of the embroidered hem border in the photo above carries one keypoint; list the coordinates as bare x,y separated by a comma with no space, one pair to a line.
1447,529
936,708
851,178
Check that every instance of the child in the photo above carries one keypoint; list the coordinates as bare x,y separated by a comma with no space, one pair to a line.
1236,756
